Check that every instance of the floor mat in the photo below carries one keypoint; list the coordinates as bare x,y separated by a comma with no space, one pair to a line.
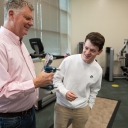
102,114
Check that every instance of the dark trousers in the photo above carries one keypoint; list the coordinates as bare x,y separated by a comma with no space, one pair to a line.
27,120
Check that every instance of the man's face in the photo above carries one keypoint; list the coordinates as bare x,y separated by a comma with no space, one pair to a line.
21,21
89,52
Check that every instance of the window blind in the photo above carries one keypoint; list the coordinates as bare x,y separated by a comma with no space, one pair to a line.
51,25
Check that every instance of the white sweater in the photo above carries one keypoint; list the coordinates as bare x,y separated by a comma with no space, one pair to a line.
79,77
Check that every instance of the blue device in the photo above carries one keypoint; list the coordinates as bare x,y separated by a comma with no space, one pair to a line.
48,69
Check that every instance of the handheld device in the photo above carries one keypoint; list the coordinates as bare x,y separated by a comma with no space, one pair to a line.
48,68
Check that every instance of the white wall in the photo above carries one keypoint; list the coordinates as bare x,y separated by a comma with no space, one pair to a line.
109,17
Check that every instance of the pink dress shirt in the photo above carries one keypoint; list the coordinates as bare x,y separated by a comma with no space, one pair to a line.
17,90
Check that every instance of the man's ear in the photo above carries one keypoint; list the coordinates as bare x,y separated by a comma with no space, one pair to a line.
10,14
99,52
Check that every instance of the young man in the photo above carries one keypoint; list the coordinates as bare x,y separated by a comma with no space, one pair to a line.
78,83
18,82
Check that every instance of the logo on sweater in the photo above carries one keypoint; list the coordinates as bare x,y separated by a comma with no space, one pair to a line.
91,76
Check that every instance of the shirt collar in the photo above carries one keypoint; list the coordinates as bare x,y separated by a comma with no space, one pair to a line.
16,40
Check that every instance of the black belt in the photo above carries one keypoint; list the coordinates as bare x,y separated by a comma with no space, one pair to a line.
14,114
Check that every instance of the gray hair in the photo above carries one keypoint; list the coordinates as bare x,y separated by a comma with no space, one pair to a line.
15,4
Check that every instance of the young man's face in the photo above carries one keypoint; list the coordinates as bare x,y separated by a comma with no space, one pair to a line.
22,20
89,52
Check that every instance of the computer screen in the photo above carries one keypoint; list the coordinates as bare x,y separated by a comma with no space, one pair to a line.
37,45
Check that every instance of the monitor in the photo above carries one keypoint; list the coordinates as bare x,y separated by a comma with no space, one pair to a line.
37,46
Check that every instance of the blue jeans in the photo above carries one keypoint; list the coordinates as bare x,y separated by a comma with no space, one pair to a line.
24,121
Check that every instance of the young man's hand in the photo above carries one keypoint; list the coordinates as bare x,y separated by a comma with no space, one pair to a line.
71,96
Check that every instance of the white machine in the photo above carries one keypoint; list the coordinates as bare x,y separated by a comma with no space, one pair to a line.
46,94
122,57
120,54
45,97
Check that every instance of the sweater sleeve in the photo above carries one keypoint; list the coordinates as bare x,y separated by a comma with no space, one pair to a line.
94,88
59,77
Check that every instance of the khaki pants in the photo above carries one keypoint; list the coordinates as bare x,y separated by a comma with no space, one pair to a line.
62,115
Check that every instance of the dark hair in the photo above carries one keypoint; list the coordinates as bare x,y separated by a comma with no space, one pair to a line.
96,39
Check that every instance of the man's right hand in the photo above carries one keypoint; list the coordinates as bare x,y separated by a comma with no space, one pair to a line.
71,96
43,79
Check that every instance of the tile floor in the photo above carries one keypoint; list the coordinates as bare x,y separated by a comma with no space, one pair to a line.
45,115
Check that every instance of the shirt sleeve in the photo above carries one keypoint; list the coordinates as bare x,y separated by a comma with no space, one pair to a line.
94,88
59,77
12,89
